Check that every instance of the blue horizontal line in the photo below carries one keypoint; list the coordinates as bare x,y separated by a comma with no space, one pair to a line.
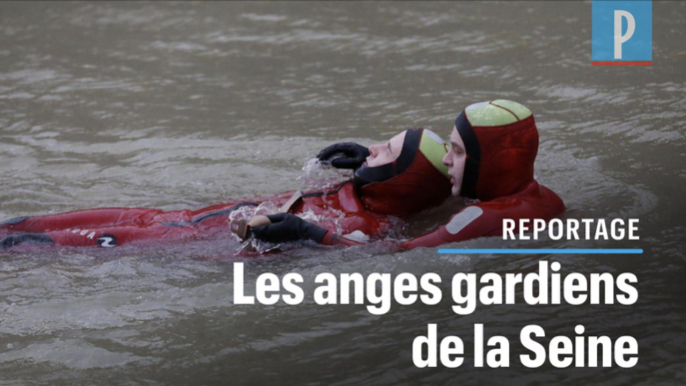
547,251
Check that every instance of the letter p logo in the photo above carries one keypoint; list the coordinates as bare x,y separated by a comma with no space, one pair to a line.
622,32
619,38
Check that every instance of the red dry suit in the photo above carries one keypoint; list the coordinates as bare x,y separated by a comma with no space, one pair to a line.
340,210
349,207
501,142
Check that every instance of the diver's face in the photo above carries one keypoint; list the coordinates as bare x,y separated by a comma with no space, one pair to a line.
455,160
384,153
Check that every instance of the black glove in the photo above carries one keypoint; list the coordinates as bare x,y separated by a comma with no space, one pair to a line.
287,227
26,238
353,155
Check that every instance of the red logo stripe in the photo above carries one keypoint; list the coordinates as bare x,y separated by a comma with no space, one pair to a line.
618,63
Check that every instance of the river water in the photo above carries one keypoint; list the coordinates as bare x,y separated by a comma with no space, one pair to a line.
182,105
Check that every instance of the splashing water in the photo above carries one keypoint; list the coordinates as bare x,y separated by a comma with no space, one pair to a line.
316,175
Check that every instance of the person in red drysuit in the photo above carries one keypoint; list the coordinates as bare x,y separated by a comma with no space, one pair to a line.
357,208
491,158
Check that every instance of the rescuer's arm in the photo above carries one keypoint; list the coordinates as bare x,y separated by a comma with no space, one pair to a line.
470,223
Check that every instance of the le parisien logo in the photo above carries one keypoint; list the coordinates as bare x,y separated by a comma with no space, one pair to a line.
622,32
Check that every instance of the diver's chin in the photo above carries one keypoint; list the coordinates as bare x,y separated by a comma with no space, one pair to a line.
455,189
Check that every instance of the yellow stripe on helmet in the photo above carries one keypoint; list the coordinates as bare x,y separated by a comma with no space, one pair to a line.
499,112
434,149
